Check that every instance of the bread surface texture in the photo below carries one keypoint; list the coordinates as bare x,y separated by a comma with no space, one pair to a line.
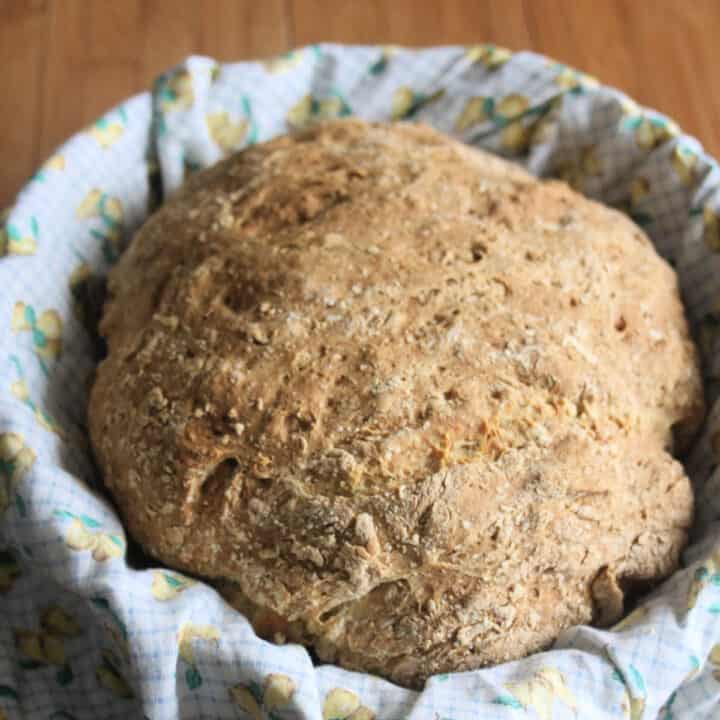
397,399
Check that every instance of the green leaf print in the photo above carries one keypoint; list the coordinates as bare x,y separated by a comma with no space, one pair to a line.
193,678
256,691
714,609
27,664
8,692
641,218
34,227
29,315
636,679
38,337
701,573
64,675
631,123
715,579
101,602
172,581
20,505
379,66
89,522
508,701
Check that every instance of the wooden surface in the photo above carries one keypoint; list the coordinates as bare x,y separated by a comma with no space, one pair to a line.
64,62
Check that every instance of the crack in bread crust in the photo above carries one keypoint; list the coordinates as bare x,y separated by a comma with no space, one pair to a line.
397,399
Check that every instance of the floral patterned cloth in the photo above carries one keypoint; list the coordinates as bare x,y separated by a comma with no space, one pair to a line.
88,630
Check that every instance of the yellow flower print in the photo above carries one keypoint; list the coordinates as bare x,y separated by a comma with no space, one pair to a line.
190,631
226,133
80,537
176,92
543,132
15,456
47,646
380,65
473,112
14,241
714,659
341,704
711,228
279,690
275,694
283,63
43,648
509,114
632,707
56,162
97,204
330,108
109,676
515,136
300,114
505,113
107,130
54,619
406,102
639,190
105,134
708,572
230,134
512,105
9,570
684,161
46,329
15,460
650,131
246,701
587,165
19,389
309,110
492,56
167,585
541,691
574,80
107,209
186,634
102,547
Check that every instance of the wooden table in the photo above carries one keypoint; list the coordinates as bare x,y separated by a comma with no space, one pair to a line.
64,62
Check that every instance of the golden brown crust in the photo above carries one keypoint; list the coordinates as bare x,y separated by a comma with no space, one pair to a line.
398,399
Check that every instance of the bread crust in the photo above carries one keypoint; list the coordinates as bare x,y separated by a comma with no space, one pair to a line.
397,399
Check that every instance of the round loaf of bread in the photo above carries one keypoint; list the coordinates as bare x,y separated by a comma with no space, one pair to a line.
397,399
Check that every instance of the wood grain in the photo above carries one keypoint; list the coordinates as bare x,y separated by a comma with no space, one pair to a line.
67,61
